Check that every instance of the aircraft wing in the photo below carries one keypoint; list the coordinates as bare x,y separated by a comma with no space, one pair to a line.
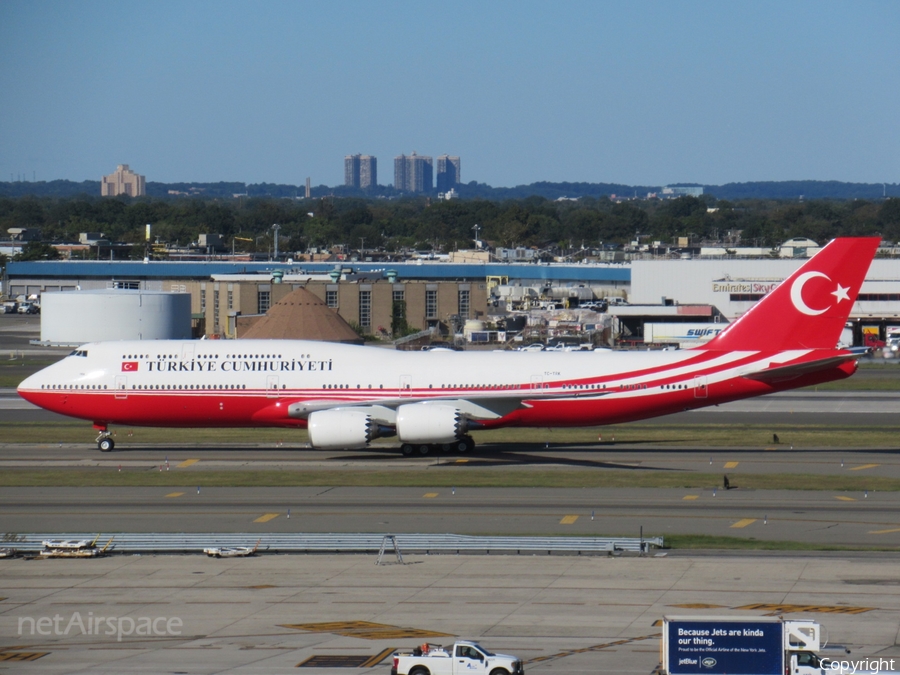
475,405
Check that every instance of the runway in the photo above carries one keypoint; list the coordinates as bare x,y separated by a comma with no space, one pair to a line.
608,455
822,517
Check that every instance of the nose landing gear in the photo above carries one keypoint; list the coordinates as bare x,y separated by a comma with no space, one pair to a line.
105,442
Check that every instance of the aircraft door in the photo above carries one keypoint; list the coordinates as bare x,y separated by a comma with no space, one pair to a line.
700,387
272,386
121,386
406,385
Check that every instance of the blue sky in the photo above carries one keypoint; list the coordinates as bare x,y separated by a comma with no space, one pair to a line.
643,93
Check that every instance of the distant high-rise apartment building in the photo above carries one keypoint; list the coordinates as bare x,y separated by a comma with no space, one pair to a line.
447,173
360,171
351,170
123,182
413,173
368,172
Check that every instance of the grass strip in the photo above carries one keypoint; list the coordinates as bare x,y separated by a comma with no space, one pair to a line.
434,476
712,542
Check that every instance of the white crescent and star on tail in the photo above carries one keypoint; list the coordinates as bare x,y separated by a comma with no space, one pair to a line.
840,293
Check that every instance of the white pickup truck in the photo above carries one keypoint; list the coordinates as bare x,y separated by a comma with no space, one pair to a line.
463,657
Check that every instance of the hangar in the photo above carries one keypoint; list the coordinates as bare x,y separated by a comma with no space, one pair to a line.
734,285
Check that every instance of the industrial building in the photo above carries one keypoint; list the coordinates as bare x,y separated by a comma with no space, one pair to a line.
98,315
378,299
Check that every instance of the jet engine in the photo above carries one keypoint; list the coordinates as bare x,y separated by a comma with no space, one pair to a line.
429,423
344,429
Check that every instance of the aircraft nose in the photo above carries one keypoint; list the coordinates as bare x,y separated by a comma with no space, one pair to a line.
27,386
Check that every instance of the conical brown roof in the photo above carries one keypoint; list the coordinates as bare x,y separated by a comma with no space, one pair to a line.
300,315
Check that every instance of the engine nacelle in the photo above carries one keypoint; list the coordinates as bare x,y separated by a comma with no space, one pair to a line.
341,429
429,423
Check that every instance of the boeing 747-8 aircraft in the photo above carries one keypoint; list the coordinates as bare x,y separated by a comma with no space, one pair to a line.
347,396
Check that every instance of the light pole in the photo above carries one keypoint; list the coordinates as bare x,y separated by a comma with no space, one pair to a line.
275,229
476,228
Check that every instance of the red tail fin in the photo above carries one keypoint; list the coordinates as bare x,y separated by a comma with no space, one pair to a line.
807,310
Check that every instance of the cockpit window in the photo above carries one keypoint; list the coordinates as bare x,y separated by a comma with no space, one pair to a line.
79,352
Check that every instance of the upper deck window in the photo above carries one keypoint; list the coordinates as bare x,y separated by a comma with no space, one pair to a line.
79,352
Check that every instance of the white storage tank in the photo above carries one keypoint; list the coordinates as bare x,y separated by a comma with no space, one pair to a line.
76,317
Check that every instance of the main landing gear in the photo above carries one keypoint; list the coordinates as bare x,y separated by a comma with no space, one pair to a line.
462,445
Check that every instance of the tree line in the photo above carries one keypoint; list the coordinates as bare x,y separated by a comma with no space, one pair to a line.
421,224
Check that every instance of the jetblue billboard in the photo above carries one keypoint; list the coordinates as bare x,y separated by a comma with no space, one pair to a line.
736,648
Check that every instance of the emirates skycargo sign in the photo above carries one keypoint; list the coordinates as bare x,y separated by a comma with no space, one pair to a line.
756,287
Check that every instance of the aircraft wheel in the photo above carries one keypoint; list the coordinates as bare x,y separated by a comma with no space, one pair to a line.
459,445
470,444
106,444
406,449
424,449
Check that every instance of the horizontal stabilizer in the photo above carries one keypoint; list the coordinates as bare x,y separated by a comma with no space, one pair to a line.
783,373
